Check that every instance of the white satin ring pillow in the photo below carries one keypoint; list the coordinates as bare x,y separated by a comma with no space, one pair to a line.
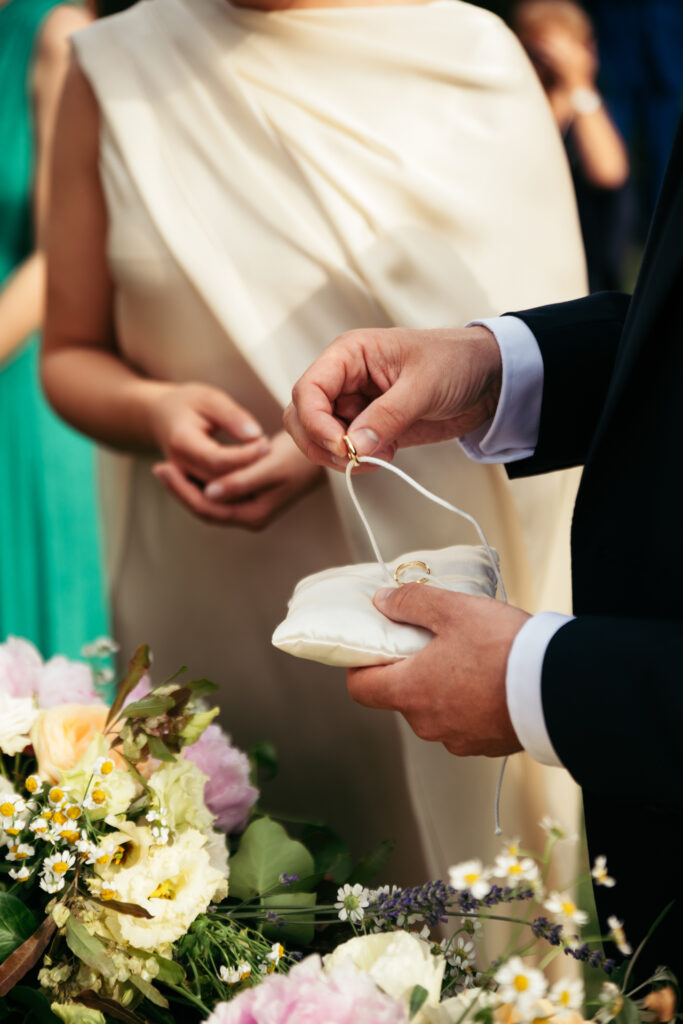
331,617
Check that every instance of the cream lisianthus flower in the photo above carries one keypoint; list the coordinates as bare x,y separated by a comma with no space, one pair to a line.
104,795
175,883
179,786
396,962
61,735
17,715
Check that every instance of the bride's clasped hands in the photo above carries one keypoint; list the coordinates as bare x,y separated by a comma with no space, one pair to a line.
218,462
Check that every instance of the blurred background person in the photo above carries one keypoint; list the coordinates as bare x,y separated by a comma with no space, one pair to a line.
641,76
559,39
51,589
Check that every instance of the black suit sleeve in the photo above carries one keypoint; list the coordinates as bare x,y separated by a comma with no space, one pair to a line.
613,705
578,342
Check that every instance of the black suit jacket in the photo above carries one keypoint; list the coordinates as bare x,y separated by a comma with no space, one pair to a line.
613,678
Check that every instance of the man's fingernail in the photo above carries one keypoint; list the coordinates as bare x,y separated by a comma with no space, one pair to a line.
365,440
339,462
383,595
214,491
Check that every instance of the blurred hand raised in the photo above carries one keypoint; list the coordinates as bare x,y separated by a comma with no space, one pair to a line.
392,388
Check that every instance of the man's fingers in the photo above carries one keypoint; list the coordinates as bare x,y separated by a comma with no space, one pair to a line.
388,417
313,451
416,604
377,687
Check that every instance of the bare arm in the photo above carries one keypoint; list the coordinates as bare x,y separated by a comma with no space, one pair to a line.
22,298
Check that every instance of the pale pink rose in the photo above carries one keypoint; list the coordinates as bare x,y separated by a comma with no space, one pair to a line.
308,996
66,682
20,667
228,793
61,735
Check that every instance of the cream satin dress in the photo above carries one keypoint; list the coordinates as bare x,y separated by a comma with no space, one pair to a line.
272,180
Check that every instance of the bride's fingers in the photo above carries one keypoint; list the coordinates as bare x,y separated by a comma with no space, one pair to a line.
229,415
267,472
205,458
190,494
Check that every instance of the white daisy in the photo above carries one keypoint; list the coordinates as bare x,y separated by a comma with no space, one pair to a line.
565,909
513,870
618,936
34,784
460,953
520,986
567,997
20,851
556,830
51,883
21,874
103,766
59,863
600,875
471,875
352,901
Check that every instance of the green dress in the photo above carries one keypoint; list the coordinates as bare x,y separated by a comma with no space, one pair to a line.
51,584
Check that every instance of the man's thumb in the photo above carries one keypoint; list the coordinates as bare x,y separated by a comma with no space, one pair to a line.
414,604
382,423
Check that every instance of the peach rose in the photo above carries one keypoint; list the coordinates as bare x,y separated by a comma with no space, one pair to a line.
61,735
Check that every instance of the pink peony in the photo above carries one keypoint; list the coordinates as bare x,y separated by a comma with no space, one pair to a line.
228,792
66,682
307,995
20,666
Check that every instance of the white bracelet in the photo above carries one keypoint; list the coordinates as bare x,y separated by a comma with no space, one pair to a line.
585,100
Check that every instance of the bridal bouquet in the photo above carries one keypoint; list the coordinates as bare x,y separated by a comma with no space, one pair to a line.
140,882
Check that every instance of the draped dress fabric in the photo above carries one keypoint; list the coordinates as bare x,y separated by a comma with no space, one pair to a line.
272,180
51,585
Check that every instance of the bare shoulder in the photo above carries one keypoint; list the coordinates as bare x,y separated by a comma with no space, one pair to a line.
53,45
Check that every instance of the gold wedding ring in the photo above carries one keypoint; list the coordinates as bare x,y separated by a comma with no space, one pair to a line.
351,450
411,565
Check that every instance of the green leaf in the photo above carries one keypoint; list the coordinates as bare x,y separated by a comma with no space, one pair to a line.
36,1003
132,909
368,866
88,948
331,854
263,757
149,991
137,667
17,924
196,725
25,956
417,999
107,1006
265,852
158,749
629,1013
201,687
296,931
170,972
148,707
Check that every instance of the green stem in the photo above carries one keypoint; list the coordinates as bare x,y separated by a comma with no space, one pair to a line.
186,994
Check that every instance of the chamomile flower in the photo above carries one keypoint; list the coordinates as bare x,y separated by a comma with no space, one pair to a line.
56,796
612,1000
352,901
470,875
19,823
567,997
103,766
275,955
511,847
97,797
40,827
51,883
618,936
20,851
514,870
10,807
555,830
59,863
565,909
21,874
600,875
102,647
34,784
459,953
234,975
520,986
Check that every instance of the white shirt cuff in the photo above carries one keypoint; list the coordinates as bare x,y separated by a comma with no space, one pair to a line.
523,684
513,432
